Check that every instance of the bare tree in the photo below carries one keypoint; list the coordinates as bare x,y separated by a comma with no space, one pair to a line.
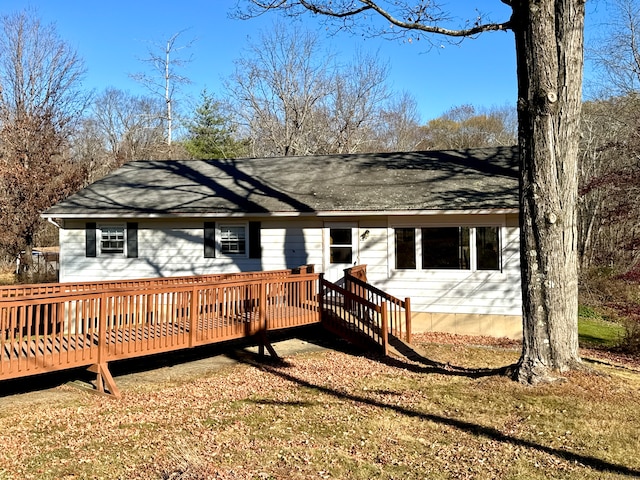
399,125
466,127
121,127
358,94
616,53
40,104
549,37
131,125
609,206
279,87
164,79
297,100
609,167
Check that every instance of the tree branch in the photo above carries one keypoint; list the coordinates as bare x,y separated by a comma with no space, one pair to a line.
418,19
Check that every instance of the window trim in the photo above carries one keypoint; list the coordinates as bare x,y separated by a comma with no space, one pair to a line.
99,240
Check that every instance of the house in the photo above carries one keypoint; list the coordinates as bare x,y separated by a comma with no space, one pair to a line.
440,227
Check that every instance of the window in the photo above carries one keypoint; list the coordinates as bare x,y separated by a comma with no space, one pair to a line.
233,239
488,248
341,245
448,248
112,239
405,248
445,248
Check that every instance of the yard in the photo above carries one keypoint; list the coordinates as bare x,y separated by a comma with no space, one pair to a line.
334,414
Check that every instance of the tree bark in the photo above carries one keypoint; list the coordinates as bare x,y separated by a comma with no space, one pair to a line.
549,50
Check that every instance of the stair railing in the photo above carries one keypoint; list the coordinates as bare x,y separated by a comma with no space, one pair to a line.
399,311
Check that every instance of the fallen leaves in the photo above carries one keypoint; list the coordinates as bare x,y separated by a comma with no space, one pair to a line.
326,415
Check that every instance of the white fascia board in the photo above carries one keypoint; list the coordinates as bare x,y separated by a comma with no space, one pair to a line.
391,213
328,213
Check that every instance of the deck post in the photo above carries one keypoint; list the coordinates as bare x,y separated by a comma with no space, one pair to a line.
320,297
407,316
262,306
262,318
385,328
102,329
104,381
103,376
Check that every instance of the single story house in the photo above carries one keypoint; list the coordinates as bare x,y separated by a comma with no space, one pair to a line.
440,227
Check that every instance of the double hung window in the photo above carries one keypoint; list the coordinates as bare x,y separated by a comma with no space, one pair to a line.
112,239
233,239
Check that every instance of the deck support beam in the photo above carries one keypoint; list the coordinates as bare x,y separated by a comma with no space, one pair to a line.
105,383
263,342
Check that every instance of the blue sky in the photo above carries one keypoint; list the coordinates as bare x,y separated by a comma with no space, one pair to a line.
112,37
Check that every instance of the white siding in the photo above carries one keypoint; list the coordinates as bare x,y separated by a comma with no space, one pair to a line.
290,244
175,248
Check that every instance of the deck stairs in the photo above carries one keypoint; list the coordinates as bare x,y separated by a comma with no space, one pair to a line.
365,315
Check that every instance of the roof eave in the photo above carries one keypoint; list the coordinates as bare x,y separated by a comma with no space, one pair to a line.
327,213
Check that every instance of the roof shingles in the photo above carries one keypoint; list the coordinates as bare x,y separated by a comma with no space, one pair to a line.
470,179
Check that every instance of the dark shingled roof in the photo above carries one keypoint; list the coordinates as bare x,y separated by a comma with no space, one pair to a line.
472,179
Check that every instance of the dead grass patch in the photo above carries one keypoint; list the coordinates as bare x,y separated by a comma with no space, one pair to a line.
336,415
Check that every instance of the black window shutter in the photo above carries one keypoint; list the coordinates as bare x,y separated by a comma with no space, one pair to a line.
90,239
132,240
209,240
255,248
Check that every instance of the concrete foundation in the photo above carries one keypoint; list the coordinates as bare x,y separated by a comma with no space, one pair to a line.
509,326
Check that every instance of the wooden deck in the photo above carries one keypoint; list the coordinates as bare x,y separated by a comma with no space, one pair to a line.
57,330
45,328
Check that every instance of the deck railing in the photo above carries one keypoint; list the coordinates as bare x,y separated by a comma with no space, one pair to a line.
7,291
53,327
399,311
353,317
57,330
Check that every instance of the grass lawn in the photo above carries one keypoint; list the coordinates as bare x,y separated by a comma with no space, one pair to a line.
7,278
600,333
336,415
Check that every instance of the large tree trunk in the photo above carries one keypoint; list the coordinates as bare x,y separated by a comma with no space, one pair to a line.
549,47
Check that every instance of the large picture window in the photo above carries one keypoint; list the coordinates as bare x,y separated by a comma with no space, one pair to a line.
448,248
445,248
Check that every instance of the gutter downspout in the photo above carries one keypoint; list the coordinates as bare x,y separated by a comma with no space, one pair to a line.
52,222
